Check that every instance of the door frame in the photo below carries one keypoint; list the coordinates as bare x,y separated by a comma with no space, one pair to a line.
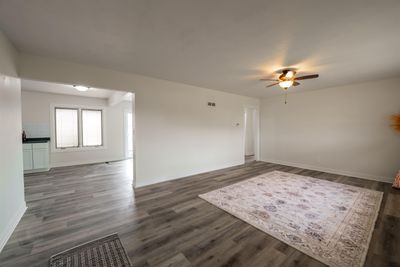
126,153
131,110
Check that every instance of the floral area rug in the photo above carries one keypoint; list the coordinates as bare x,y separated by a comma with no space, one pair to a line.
328,221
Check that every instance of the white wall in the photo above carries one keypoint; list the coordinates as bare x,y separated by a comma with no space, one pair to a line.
343,130
177,134
36,111
12,201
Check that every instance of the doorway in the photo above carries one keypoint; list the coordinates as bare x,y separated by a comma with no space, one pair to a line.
128,122
67,126
250,134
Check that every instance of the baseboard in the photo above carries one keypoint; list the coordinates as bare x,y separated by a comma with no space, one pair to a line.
82,162
6,233
334,171
36,170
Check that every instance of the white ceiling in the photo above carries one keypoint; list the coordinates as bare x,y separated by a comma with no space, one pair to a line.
225,45
67,89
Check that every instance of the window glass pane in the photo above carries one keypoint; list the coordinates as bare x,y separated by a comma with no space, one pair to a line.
92,127
66,127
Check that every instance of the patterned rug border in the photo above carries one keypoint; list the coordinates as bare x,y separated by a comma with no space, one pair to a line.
88,242
291,245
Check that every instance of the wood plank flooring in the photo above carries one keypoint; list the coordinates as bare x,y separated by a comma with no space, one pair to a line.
166,224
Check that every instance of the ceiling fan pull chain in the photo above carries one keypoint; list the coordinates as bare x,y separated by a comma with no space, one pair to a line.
285,97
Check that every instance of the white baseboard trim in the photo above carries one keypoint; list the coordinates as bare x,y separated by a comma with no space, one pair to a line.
82,162
6,233
36,170
334,171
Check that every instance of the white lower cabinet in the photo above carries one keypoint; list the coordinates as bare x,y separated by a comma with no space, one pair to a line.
28,160
40,158
36,157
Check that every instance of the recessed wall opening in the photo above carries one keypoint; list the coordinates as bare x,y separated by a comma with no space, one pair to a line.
68,125
250,134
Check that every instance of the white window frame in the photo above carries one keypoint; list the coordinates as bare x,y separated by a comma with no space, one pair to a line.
80,136
102,125
55,126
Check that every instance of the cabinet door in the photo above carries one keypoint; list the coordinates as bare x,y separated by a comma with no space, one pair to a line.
40,158
28,163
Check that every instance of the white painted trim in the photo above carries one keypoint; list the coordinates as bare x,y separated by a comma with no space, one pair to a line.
7,232
53,148
82,162
125,137
36,170
334,171
134,139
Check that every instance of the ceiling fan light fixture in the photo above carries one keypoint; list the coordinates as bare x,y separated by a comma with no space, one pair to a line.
286,84
81,88
289,74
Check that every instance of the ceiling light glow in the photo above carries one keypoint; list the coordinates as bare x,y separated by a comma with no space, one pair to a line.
289,74
286,84
81,88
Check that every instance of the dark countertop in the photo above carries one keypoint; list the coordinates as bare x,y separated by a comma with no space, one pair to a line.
36,140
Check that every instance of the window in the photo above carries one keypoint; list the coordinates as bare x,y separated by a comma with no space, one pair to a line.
92,127
78,128
66,127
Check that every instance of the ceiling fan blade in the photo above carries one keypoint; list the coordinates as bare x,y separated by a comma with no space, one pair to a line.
312,76
269,79
296,83
273,84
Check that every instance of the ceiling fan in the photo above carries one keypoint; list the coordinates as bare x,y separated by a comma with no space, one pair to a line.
287,78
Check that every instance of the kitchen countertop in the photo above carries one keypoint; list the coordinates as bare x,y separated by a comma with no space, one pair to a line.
36,140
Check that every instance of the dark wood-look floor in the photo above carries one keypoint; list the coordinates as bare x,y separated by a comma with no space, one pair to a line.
167,224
